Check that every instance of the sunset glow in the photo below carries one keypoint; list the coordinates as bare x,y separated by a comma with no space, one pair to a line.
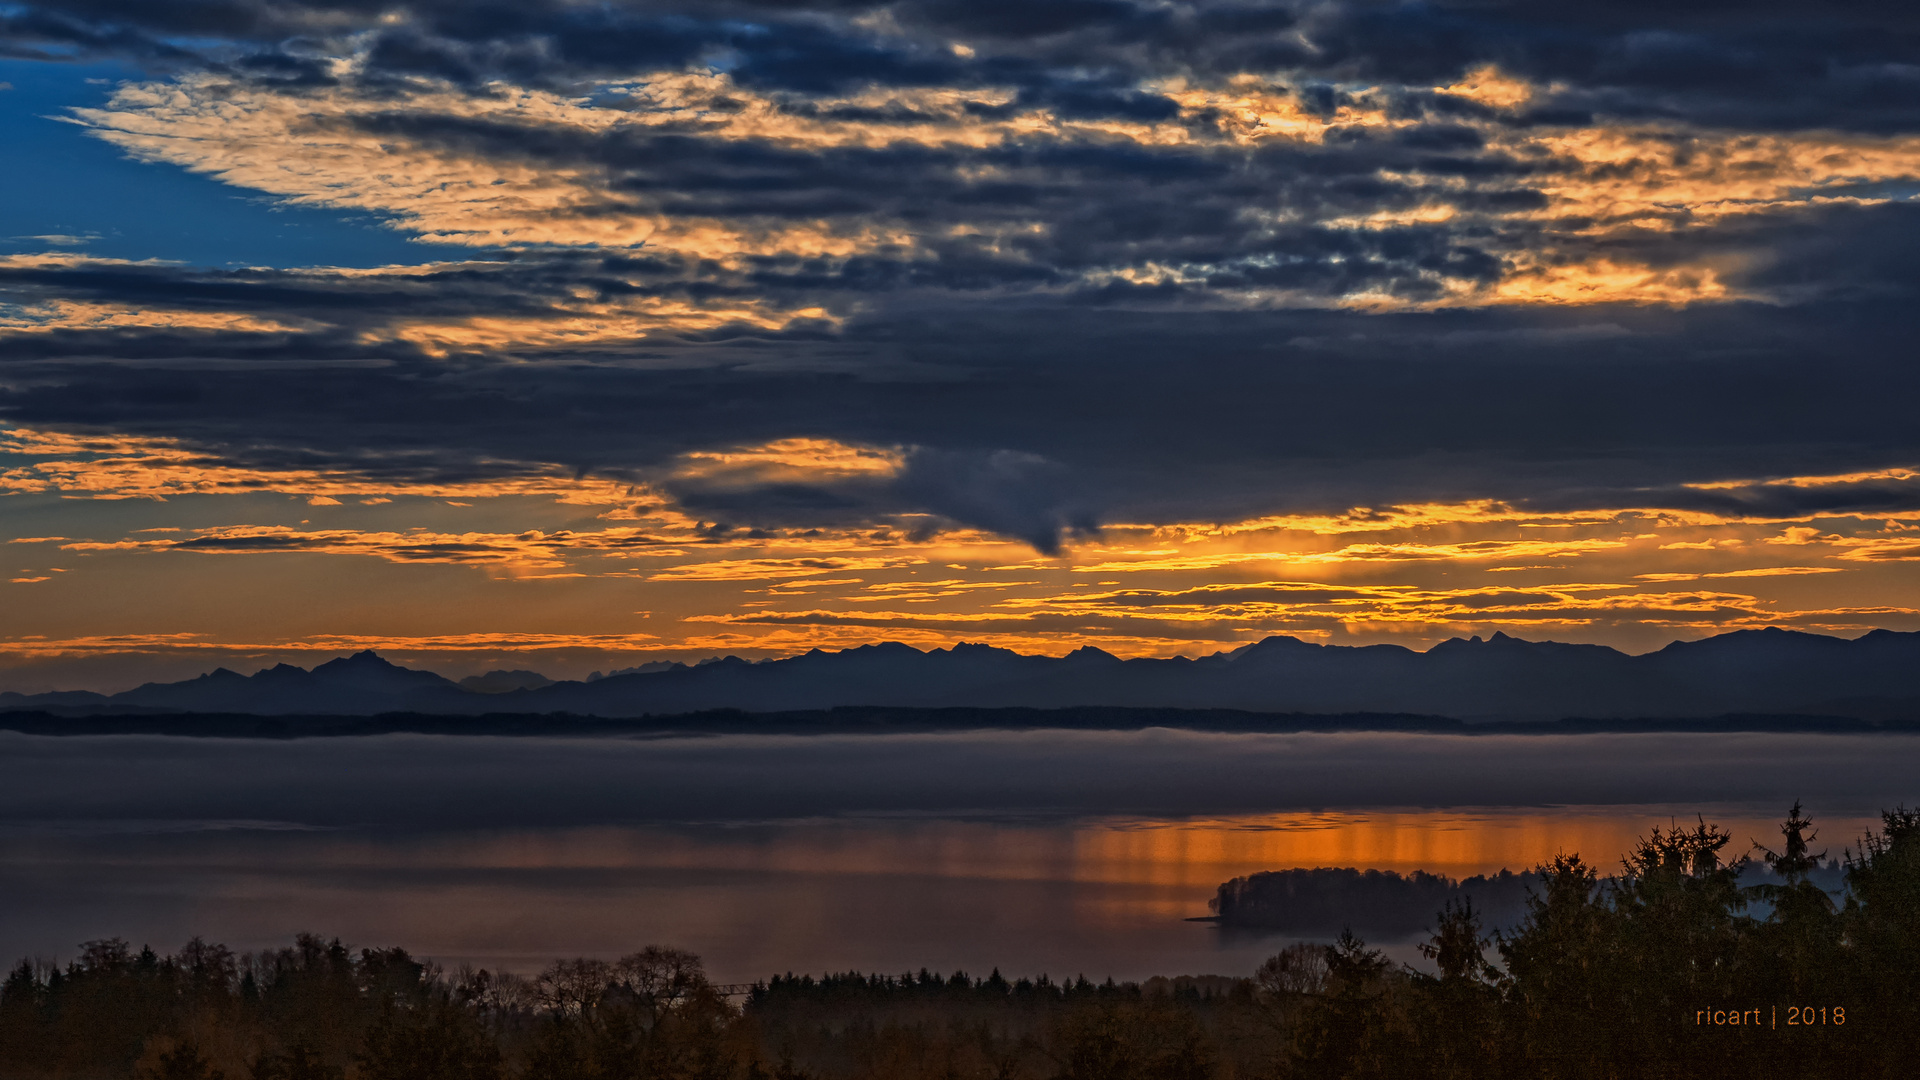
483,346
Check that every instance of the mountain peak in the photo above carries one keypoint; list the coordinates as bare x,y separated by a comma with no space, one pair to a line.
502,682
1765,637
1273,642
1773,670
361,662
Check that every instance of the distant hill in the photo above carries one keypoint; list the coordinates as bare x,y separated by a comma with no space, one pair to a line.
869,720
1761,672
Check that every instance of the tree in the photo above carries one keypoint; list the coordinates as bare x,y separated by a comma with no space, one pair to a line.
1456,1016
183,1062
301,1061
1559,965
1882,928
1797,948
1347,1030
436,1039
1299,968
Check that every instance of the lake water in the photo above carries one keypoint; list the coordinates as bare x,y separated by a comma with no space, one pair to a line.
1056,852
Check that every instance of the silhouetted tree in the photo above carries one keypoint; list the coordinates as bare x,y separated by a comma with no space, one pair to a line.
183,1062
1561,975
432,1039
1346,1031
1455,1022
300,1062
1882,929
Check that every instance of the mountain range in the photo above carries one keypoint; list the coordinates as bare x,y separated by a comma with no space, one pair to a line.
1875,677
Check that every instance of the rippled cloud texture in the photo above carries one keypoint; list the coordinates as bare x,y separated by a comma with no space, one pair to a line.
1156,326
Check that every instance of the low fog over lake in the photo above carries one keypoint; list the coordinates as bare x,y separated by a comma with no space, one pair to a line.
1037,851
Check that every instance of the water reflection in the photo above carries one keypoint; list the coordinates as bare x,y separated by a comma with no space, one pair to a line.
1033,851
1100,896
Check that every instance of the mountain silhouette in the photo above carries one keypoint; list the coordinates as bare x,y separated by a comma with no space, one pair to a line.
361,683
1771,671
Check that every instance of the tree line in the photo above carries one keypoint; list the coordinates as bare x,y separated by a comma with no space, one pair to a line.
1668,968
1328,899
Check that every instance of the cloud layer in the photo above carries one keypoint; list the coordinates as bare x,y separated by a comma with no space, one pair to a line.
1375,297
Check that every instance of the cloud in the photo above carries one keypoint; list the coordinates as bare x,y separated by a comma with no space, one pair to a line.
1759,571
532,549
1405,552
765,569
1879,549
326,646
743,272
123,467
1225,189
1890,491
1708,66
1223,612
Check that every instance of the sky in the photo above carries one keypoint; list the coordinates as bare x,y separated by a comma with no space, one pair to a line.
569,336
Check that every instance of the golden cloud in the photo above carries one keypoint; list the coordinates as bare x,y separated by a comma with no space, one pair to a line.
765,569
796,460
1486,85
1878,549
40,646
1762,571
1386,552
316,148
146,467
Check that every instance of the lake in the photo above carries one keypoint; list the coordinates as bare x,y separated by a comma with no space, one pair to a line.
1066,853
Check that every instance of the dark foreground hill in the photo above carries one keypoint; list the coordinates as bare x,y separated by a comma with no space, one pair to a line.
1874,678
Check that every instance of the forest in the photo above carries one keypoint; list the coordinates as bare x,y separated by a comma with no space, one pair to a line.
1667,966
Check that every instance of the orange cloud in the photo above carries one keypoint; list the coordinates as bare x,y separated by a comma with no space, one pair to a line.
1762,571
140,467
1878,549
531,549
1401,552
763,569
39,646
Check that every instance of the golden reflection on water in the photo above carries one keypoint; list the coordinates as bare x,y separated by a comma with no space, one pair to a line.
1116,875
1189,858
1180,853
1103,895
1455,843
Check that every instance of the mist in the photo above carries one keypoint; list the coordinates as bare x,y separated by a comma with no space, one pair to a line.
436,782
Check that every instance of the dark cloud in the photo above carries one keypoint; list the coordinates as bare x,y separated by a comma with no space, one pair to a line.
1760,500
1036,420
1237,218
1126,362
1774,65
